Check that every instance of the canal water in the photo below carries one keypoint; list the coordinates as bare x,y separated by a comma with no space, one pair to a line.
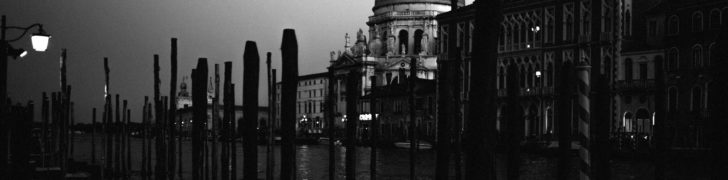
311,160
312,163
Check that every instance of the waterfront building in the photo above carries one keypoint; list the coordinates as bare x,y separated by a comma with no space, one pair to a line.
692,28
392,110
539,37
311,94
400,30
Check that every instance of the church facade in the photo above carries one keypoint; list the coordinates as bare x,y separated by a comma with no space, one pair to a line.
399,31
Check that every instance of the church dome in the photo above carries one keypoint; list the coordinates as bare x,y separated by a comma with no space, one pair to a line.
380,3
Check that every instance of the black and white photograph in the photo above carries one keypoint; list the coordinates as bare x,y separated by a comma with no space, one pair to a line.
364,90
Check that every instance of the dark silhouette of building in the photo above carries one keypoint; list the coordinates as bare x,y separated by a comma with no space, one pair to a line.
540,36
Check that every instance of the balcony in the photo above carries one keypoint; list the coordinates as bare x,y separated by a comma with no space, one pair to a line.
635,85
402,14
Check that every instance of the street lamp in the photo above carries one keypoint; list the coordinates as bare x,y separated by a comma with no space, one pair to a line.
40,39
40,43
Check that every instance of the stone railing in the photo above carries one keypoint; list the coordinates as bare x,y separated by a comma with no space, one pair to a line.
640,84
402,14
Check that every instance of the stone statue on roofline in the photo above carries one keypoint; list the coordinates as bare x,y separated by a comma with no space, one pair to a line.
425,44
375,46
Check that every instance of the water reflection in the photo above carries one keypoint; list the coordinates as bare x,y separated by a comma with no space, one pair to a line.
312,160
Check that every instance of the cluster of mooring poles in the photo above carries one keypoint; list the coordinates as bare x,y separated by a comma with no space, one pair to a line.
214,141
163,132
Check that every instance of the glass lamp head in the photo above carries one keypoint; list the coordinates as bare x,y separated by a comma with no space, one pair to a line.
40,40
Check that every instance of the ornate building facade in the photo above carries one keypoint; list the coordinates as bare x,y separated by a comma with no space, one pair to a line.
692,28
400,30
539,37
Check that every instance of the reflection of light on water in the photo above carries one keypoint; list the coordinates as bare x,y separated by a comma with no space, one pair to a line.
304,160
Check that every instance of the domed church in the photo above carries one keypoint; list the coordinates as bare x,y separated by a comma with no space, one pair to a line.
399,30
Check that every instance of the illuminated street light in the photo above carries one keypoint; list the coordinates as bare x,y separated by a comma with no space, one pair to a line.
15,53
538,74
40,40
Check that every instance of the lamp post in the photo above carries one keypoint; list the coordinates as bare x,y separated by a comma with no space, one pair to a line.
40,43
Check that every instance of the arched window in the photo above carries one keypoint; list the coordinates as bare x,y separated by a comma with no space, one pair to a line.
628,23
501,83
627,122
585,18
529,76
503,77
672,99
527,31
711,55
642,120
569,27
714,18
509,36
697,21
673,59
550,25
697,99
697,56
607,66
518,34
673,25
628,69
503,37
514,35
403,41
522,73
418,41
549,75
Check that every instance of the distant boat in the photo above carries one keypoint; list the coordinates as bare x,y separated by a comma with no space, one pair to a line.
407,145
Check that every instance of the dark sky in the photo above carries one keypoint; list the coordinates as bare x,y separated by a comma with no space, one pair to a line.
130,32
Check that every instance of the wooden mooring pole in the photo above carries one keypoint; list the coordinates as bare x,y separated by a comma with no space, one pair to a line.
289,51
251,73
172,109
